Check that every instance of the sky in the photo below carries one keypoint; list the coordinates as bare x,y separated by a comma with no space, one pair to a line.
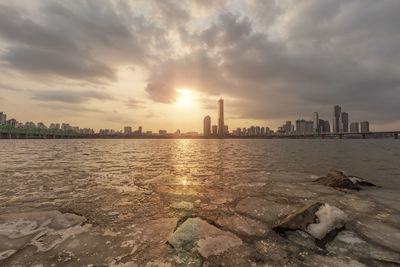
163,64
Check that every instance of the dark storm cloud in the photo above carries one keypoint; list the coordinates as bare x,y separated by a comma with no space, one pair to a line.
54,63
73,97
332,52
83,40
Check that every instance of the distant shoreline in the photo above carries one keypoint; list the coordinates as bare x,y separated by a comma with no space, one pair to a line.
372,135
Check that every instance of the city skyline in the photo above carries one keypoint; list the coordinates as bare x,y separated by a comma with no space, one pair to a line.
162,64
301,126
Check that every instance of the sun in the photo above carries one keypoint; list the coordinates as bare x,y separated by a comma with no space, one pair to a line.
184,97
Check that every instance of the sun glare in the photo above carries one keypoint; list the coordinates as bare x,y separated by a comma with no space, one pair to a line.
185,96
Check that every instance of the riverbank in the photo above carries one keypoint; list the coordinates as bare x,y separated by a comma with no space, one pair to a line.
189,224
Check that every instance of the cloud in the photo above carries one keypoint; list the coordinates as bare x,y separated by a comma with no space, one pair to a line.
328,55
9,87
71,108
73,97
81,40
271,59
134,103
196,71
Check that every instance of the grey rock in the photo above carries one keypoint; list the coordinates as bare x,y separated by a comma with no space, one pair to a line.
197,235
340,180
299,219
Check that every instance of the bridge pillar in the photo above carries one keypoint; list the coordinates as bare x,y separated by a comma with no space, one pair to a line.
395,135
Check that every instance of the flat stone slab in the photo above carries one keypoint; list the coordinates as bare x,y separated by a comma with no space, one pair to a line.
183,205
197,235
244,225
265,210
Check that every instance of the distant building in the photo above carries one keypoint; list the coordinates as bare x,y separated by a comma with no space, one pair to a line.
364,127
300,126
354,127
65,127
327,127
149,133
221,117
336,119
177,132
12,122
226,130
207,126
262,131
3,118
244,132
316,124
309,126
140,130
162,132
303,126
127,130
252,131
344,122
30,125
258,130
214,130
41,125
288,127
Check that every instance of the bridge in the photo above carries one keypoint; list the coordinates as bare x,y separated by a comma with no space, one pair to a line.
9,132
394,134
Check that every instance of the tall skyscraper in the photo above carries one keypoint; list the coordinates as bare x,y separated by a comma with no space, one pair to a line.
336,119
215,130
354,127
287,127
344,122
207,126
327,127
364,127
315,122
221,117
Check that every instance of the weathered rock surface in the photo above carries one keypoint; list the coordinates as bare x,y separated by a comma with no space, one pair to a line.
381,233
299,219
197,235
340,180
265,210
348,243
244,225
183,205
317,219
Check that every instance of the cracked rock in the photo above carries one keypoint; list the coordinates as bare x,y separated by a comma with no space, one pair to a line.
197,235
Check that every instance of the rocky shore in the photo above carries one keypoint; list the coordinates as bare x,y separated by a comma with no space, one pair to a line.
266,221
